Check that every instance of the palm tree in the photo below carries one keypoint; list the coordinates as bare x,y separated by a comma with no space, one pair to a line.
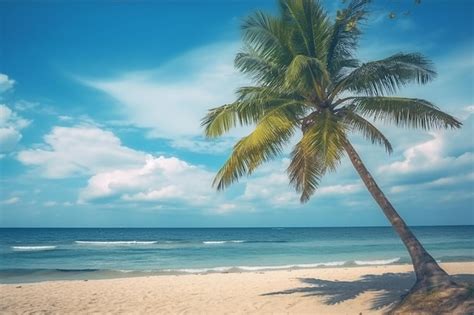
308,82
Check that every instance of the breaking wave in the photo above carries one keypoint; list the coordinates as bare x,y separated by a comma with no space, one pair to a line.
376,262
32,248
115,243
222,242
256,268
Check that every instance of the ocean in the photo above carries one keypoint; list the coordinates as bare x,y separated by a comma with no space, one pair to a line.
38,254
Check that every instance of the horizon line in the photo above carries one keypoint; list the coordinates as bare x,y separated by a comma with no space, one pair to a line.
223,227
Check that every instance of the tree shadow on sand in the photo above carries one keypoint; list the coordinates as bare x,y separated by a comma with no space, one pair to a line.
390,287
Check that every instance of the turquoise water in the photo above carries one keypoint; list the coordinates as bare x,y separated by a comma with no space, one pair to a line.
45,254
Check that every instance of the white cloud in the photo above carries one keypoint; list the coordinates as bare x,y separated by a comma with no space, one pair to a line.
35,108
441,163
8,118
158,179
65,118
163,193
5,115
442,182
80,150
10,201
225,208
204,146
425,154
9,138
466,112
171,100
5,83
271,185
447,149
119,173
452,180
10,127
338,189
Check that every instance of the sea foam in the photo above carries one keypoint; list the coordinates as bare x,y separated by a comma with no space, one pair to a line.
295,266
376,262
32,248
222,242
257,268
115,243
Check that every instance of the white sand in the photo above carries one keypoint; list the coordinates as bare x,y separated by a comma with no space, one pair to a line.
344,292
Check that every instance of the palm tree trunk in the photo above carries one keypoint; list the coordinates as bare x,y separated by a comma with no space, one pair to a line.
428,273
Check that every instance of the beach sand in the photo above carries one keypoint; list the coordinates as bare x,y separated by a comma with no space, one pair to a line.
351,290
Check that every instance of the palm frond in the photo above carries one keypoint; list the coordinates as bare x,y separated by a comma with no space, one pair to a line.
388,75
345,36
264,94
268,36
252,104
255,102
325,137
306,74
368,130
260,69
305,170
319,150
264,143
309,25
220,120
404,112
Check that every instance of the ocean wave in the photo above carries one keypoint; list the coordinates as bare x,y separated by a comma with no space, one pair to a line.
268,241
32,248
115,243
256,268
201,270
223,242
377,262
244,241
295,266
77,270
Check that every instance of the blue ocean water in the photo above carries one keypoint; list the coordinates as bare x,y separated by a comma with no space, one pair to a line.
28,255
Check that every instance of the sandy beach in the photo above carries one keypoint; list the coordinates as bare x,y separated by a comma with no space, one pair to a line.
352,290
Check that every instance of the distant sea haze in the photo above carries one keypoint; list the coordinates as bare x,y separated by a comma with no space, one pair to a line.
29,255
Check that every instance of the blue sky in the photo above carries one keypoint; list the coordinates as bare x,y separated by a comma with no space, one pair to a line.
101,102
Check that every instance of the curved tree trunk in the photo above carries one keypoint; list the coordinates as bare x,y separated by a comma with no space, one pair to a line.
429,274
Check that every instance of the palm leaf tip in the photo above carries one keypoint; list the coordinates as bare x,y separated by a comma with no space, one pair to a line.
405,112
304,172
368,130
217,121
345,35
388,75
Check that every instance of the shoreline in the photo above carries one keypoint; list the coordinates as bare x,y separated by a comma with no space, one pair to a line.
33,276
341,290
